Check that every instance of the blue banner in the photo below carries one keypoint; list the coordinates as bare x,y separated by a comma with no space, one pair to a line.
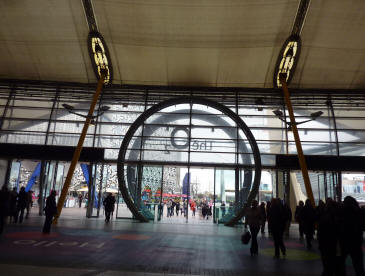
186,184
85,170
33,178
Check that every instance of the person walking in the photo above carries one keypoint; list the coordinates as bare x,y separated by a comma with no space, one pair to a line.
169,205
4,206
109,203
80,197
263,217
50,210
308,217
330,229
29,202
172,211
277,225
268,206
13,205
185,206
193,207
299,218
352,239
288,218
254,220
21,204
177,207
160,208
223,209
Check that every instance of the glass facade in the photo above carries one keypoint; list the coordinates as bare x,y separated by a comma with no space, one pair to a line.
34,115
182,135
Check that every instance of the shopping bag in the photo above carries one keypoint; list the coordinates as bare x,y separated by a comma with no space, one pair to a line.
245,238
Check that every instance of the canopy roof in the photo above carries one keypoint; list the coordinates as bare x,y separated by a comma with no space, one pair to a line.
187,43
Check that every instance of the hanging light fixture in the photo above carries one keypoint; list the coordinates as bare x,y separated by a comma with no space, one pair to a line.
99,56
287,59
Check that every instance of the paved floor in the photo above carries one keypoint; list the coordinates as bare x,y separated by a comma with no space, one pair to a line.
80,246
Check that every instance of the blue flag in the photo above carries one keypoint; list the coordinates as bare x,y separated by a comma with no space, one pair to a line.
35,174
186,184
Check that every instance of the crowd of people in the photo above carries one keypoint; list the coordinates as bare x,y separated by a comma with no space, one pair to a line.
177,206
14,205
338,228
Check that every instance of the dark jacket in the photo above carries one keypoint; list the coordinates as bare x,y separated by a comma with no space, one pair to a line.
109,202
22,199
263,212
277,217
51,208
308,218
352,225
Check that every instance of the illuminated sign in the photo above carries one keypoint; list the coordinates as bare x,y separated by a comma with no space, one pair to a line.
99,56
287,60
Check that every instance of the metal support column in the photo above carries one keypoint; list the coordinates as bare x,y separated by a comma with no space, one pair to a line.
77,152
41,187
302,162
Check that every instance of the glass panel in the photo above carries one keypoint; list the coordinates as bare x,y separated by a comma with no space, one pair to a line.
321,187
352,149
95,199
112,181
68,127
69,139
225,194
106,129
266,186
201,195
33,103
14,175
315,148
355,135
48,180
59,178
24,125
151,192
177,115
212,157
164,156
353,184
317,184
23,138
331,190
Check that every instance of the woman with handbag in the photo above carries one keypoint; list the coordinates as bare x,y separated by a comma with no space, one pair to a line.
254,220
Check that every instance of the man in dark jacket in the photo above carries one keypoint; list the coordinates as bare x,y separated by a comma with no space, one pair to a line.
330,228
254,219
277,222
22,203
50,210
263,217
308,217
13,205
298,217
109,202
352,235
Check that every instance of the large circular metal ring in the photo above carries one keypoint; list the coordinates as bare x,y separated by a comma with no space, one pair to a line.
187,100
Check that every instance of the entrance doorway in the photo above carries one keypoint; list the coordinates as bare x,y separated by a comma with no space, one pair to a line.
175,194
187,195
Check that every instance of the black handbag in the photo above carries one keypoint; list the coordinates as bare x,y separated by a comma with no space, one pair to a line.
245,238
